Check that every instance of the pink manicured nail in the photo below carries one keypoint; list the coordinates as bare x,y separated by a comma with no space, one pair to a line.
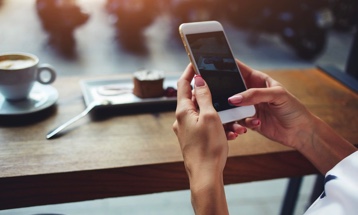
199,81
236,99
256,122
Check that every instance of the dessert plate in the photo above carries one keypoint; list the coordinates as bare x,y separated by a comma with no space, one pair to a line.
118,92
40,98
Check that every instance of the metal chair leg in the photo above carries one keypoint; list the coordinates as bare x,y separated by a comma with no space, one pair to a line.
290,199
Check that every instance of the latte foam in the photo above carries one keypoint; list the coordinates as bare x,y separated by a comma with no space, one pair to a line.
16,64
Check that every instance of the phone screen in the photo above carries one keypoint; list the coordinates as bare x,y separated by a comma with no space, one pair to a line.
217,66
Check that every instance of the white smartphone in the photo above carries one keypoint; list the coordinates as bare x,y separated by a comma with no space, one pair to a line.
210,53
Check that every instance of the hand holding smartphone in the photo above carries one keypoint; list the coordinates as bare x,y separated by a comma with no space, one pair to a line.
210,53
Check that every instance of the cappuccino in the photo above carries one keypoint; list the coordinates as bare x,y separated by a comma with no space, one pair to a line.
18,74
13,62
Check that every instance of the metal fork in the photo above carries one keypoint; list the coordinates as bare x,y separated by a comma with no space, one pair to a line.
90,107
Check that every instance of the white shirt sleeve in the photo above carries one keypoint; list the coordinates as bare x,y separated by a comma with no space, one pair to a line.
340,195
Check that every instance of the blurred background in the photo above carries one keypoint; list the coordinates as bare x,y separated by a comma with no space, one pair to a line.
101,37
119,36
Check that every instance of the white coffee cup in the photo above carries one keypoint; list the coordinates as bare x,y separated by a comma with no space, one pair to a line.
19,72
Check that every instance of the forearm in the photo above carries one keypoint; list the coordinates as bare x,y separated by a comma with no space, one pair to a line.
322,146
208,195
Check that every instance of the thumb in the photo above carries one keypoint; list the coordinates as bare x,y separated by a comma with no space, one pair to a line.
202,94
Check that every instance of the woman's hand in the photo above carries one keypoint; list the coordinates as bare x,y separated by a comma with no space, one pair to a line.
283,118
201,135
279,115
203,143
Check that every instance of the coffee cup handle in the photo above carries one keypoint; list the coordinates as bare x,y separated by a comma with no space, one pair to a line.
46,68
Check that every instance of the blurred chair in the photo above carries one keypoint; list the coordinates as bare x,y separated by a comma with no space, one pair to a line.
60,18
131,18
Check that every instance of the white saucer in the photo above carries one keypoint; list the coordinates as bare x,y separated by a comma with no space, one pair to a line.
40,98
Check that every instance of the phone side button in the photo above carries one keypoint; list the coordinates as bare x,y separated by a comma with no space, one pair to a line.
189,56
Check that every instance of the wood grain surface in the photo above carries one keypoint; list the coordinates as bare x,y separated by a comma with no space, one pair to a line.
134,151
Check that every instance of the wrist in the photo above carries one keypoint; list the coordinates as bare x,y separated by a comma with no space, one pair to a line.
204,169
205,180
322,146
208,193
303,132
304,137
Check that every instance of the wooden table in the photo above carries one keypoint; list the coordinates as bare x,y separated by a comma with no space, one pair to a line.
137,152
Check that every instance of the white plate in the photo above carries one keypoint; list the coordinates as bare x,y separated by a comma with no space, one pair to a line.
118,92
40,98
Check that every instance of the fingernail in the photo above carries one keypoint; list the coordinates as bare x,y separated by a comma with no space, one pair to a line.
236,134
256,122
199,81
245,131
236,99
